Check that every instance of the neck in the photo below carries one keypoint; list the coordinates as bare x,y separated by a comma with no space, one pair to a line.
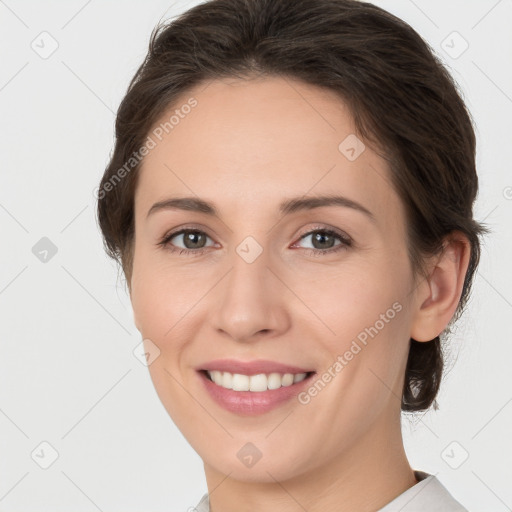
365,478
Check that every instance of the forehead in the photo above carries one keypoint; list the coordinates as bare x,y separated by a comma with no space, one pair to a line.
249,143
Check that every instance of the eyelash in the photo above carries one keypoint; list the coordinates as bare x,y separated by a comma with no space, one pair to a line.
345,242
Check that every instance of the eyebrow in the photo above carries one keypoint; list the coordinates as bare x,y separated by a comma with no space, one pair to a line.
287,207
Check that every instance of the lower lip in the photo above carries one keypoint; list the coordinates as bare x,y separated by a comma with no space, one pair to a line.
251,403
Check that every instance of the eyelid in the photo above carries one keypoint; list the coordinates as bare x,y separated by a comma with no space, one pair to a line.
186,227
344,236
308,231
346,240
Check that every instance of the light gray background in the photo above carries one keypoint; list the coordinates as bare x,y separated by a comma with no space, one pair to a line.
69,376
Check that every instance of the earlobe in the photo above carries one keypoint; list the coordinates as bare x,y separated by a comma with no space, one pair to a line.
129,281
134,315
439,295
135,318
137,326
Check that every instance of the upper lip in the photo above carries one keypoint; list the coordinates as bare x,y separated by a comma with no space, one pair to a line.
251,367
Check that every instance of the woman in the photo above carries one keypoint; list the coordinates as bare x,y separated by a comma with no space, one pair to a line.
290,198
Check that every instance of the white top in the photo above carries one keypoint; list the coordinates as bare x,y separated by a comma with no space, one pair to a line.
427,495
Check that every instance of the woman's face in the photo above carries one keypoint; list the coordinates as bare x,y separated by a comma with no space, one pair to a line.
255,281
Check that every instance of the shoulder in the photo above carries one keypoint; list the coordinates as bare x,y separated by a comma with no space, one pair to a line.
427,495
202,506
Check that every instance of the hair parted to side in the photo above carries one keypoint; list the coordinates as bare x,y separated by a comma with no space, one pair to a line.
403,101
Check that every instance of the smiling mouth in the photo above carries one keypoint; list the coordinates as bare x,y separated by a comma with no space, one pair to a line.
255,383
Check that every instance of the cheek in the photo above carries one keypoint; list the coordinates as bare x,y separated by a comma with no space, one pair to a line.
366,312
163,304
162,296
357,295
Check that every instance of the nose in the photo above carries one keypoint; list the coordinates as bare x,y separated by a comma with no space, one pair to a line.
251,301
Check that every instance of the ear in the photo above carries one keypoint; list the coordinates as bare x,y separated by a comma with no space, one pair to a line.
136,322
134,312
136,319
439,295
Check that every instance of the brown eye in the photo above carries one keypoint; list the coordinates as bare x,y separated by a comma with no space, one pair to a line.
186,240
194,239
324,240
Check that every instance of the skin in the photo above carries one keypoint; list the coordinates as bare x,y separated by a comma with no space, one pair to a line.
247,146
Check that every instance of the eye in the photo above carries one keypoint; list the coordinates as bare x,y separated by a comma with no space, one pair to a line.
193,241
324,241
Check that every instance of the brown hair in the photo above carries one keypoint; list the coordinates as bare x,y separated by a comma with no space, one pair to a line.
401,97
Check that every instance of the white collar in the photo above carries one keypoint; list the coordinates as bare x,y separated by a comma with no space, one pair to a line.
427,495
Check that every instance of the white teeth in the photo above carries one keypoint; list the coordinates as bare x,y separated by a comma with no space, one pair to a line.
274,381
298,377
260,382
257,382
216,377
241,382
227,380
